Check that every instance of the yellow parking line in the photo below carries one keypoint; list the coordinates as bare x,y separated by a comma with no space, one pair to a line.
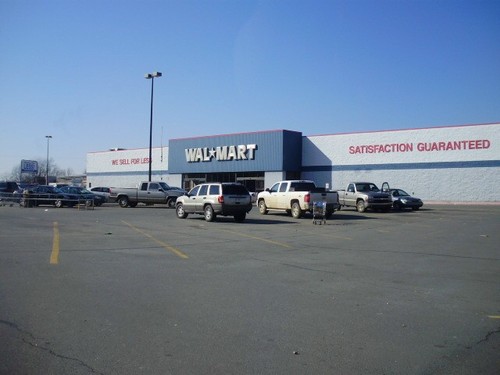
494,316
54,256
172,249
256,238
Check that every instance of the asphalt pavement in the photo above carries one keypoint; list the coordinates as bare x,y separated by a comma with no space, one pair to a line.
139,291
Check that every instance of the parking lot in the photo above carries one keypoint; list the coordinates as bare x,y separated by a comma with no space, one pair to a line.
139,291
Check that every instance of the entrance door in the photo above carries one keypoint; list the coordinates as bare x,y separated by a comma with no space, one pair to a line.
191,182
253,184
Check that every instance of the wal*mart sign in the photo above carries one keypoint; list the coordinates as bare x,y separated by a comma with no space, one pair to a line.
220,153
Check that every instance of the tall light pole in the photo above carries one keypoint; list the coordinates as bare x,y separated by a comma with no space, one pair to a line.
47,174
152,77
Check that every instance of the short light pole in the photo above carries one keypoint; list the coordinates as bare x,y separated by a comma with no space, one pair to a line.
47,174
152,77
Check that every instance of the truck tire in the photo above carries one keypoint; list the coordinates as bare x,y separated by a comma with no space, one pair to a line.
360,205
209,213
179,210
329,214
262,207
171,202
123,201
296,210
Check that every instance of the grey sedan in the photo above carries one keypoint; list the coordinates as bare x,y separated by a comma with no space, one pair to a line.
401,200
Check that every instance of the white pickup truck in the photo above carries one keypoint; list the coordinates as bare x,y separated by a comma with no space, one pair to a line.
296,197
154,192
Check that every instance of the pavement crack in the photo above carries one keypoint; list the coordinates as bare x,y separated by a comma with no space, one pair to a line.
18,329
30,340
488,335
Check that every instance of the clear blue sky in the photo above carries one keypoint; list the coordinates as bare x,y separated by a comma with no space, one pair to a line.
75,70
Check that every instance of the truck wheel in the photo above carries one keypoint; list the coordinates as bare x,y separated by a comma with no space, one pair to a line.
262,207
209,213
239,218
328,214
360,205
171,203
296,210
179,210
123,202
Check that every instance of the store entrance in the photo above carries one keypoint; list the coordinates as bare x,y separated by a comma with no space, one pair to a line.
253,184
253,181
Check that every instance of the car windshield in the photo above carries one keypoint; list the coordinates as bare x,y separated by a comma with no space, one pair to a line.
164,186
236,189
402,193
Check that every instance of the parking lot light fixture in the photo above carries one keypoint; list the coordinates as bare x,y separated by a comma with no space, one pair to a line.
47,174
152,77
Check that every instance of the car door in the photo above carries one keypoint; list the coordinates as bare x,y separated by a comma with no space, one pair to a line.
350,195
201,197
385,187
282,200
190,199
44,195
154,194
272,199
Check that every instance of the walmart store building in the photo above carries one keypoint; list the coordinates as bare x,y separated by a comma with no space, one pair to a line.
440,164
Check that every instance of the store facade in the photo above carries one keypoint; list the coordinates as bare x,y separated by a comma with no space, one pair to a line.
447,164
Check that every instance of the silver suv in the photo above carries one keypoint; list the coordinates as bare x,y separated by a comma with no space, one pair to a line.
212,199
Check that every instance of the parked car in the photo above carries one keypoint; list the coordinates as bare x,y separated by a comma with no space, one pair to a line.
43,195
401,200
212,199
148,192
7,189
78,195
296,197
364,195
102,191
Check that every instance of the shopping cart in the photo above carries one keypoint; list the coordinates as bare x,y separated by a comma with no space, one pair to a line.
319,212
